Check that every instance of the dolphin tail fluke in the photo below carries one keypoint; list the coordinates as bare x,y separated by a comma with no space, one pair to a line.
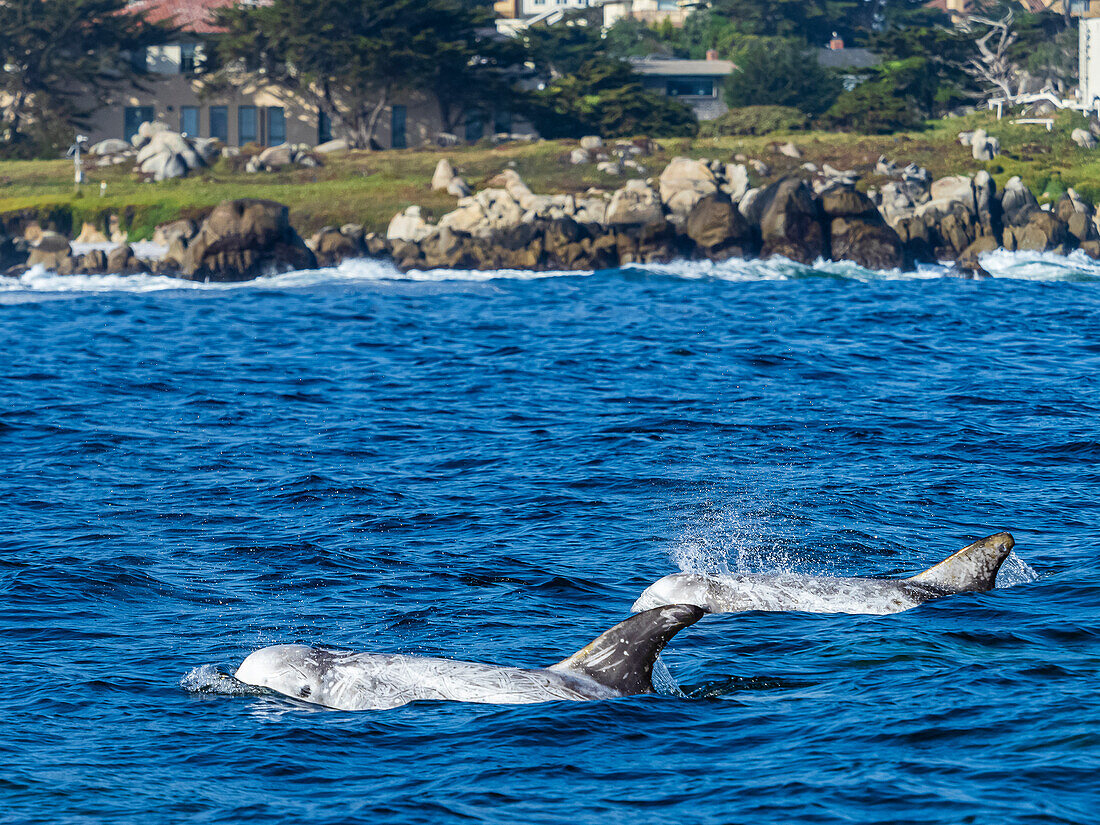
623,657
974,568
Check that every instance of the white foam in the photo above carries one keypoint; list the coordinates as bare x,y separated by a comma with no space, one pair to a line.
1034,266
143,249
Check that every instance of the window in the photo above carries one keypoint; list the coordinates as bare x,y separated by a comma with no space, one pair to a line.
397,128
189,120
276,125
133,117
324,128
475,128
246,125
690,87
502,122
139,60
188,64
219,123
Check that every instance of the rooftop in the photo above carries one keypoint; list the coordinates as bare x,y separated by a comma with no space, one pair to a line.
847,58
669,67
189,15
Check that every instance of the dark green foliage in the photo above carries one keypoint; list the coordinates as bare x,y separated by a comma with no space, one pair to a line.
924,59
755,120
633,38
59,61
350,57
812,21
604,97
885,103
1047,47
588,89
780,72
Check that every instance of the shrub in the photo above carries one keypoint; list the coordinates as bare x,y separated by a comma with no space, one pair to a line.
755,120
605,97
873,108
774,71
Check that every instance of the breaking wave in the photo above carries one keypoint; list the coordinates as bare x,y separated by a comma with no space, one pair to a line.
1033,266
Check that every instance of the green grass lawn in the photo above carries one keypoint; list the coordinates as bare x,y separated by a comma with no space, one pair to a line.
370,187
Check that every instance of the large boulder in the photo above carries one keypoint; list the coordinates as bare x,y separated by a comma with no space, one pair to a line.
458,188
1043,231
166,233
276,157
866,240
635,204
838,201
408,226
717,228
331,146
1083,138
857,232
51,250
150,128
790,222
89,233
110,146
242,239
983,146
736,182
332,245
1017,202
166,154
443,175
122,261
683,183
953,189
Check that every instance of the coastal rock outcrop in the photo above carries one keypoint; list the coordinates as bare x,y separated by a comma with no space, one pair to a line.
790,222
242,239
858,233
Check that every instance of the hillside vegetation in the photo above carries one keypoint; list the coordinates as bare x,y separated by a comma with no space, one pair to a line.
370,187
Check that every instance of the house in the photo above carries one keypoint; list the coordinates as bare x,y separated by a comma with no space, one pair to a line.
650,12
242,112
698,83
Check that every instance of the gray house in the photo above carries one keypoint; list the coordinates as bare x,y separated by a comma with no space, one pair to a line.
698,83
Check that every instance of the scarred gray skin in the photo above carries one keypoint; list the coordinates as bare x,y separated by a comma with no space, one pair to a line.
972,569
618,663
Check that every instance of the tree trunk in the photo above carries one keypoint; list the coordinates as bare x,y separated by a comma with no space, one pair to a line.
375,115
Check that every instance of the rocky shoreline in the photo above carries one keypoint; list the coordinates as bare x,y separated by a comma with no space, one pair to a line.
695,209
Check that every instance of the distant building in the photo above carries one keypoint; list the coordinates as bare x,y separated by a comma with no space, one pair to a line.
843,59
698,83
650,11
245,112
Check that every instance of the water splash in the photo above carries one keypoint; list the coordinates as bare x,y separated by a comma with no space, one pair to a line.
1015,571
663,680
743,534
207,679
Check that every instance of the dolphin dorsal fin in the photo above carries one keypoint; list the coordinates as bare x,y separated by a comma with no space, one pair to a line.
974,568
622,658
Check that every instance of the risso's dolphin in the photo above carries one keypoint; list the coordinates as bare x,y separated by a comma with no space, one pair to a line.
618,663
974,568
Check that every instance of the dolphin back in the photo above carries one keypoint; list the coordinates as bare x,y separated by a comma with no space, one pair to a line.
972,569
622,658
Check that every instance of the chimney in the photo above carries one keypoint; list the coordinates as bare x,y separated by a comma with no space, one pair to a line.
837,43
712,54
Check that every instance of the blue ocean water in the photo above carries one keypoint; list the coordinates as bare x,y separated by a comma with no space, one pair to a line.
492,467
